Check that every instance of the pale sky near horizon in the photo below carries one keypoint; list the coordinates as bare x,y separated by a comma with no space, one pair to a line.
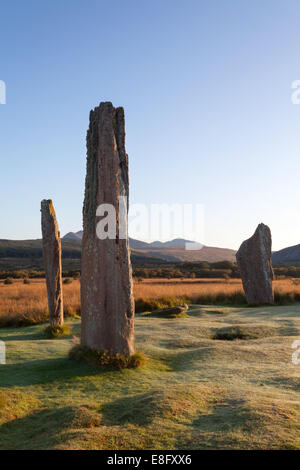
206,87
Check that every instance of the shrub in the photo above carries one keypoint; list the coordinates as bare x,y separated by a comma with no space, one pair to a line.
8,280
238,298
52,332
223,298
26,319
26,281
67,281
286,298
137,359
70,311
106,359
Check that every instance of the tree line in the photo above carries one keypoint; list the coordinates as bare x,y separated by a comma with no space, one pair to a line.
180,270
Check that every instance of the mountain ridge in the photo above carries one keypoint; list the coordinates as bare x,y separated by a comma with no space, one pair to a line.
172,250
288,255
138,243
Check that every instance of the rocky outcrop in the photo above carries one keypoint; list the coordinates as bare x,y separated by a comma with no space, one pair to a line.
106,279
52,263
255,266
176,310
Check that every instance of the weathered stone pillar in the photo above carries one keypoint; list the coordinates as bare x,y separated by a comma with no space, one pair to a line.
255,266
52,263
107,305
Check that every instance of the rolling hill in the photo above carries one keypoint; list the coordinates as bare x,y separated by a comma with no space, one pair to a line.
173,250
287,256
27,254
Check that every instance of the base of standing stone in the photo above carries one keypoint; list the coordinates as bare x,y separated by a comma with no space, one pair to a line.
106,359
52,332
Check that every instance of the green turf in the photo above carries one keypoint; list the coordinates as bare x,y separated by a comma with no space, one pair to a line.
195,392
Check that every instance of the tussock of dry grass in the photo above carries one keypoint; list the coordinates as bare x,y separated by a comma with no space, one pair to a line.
52,332
85,417
15,404
105,359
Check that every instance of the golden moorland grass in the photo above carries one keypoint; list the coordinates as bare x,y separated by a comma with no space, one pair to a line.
22,304
26,304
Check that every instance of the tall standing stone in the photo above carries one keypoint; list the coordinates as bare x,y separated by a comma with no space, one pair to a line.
52,263
106,278
255,266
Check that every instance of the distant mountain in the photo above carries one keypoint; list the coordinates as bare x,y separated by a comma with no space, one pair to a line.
287,256
17,254
179,253
138,245
134,244
73,235
173,250
175,242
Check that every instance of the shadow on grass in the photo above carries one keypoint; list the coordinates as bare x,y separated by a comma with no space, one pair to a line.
138,409
184,360
43,429
288,328
269,311
214,430
39,335
37,430
35,332
22,334
239,424
290,383
45,371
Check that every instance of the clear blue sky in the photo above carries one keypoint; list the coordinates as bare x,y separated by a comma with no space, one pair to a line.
206,88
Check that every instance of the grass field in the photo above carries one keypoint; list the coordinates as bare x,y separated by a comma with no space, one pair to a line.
27,303
195,392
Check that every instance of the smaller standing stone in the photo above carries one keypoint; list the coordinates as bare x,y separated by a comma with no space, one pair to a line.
52,263
255,266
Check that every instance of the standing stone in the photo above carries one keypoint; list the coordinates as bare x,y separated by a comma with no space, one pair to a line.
52,262
255,266
106,278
